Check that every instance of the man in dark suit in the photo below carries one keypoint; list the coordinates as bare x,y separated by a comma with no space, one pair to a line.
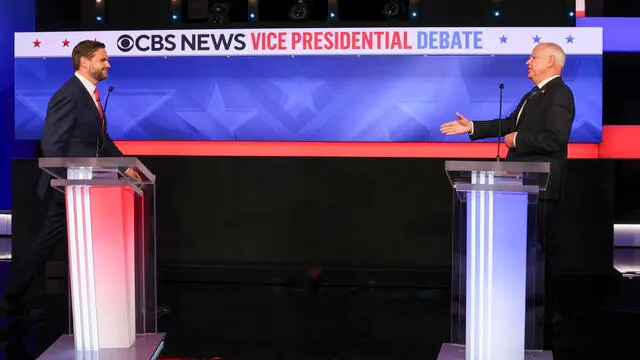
75,126
537,130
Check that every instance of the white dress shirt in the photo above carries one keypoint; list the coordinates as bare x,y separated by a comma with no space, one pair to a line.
90,88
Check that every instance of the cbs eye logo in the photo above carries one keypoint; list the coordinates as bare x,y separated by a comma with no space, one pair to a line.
125,43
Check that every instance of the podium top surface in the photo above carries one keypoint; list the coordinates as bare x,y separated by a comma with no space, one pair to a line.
506,176
499,168
59,167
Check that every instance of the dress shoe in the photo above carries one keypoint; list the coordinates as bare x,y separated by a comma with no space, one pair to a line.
16,311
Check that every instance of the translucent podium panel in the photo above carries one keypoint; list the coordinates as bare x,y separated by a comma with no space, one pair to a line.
497,259
513,228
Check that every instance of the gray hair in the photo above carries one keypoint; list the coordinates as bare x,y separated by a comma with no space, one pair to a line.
557,52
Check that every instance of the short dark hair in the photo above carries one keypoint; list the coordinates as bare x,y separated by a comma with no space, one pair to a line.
86,48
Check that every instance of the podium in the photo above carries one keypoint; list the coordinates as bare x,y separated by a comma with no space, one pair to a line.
112,263
497,290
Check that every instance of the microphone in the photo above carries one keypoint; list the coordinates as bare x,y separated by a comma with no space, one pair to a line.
499,122
106,101
100,140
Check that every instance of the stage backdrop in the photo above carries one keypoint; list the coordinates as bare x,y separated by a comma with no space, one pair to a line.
349,84
14,16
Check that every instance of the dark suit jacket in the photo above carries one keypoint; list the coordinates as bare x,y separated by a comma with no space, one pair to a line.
73,128
543,131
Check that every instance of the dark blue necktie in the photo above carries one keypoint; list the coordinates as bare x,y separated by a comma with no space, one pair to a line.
531,94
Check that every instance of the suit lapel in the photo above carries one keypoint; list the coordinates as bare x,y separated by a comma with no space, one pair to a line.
88,99
521,109
527,108
529,104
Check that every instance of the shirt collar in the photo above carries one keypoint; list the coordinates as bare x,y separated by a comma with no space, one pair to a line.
545,81
87,84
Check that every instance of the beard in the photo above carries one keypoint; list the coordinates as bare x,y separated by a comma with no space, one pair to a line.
98,74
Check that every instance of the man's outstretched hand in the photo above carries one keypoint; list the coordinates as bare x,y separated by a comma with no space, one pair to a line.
457,127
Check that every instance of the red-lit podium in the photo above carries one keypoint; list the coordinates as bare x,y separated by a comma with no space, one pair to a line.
112,270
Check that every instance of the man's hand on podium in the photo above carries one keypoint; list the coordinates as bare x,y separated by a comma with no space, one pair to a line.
457,127
510,140
132,173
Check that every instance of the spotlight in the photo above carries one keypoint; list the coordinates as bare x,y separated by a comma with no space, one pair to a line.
218,12
176,10
299,10
392,8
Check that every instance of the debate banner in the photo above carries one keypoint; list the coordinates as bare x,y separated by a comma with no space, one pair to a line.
320,84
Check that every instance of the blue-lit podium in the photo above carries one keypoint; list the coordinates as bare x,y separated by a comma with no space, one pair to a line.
497,264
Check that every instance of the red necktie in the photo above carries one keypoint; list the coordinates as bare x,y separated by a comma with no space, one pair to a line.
100,110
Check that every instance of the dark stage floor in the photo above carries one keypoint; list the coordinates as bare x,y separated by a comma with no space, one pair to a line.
341,315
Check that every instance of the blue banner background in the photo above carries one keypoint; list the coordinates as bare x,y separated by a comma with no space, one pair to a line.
14,16
305,98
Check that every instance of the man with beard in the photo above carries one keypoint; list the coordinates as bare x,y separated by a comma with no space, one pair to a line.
75,126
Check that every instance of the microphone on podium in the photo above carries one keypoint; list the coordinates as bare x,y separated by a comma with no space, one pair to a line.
100,140
499,122
106,102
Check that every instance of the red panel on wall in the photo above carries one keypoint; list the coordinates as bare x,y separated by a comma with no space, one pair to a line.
620,142
617,142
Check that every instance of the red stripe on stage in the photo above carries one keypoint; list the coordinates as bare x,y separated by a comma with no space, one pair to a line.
620,142
581,13
611,143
